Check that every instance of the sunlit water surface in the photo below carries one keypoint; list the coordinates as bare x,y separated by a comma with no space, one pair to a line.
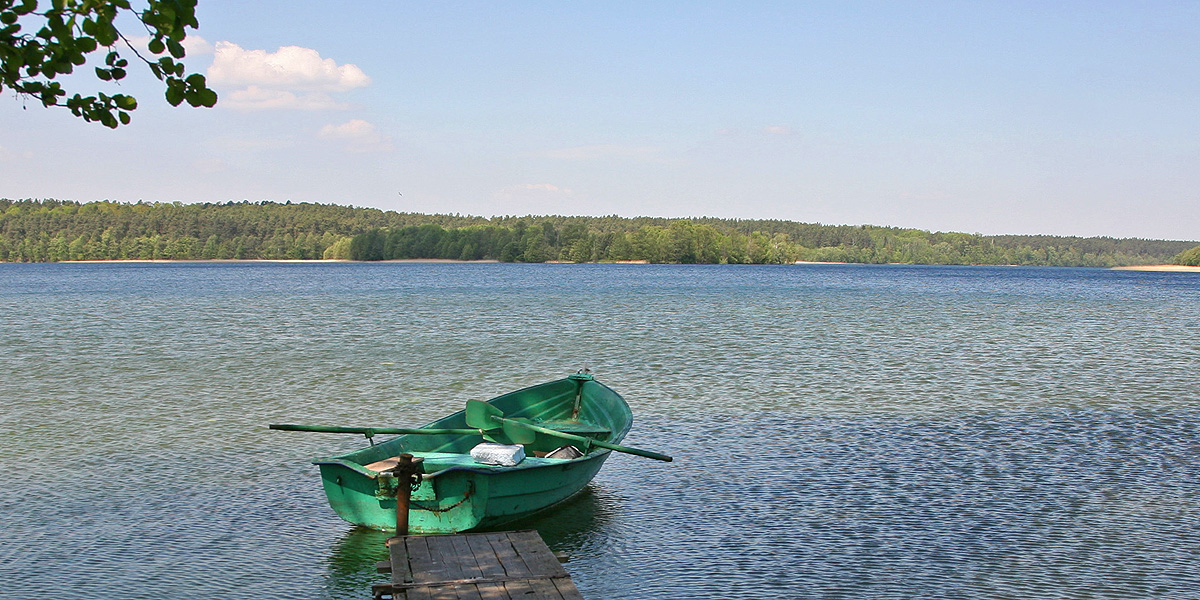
839,431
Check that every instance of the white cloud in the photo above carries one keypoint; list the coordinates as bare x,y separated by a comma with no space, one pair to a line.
602,151
359,135
291,78
195,44
777,130
290,68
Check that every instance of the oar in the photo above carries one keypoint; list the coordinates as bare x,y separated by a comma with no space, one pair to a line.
370,431
487,417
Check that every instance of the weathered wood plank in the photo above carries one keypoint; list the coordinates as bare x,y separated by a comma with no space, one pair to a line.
544,589
469,560
423,593
518,589
485,556
423,565
490,566
492,591
512,563
537,556
398,561
421,584
566,588
450,563
468,591
443,592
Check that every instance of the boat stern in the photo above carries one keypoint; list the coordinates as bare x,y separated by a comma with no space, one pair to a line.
444,504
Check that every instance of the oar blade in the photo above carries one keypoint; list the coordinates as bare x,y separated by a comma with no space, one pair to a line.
517,433
479,415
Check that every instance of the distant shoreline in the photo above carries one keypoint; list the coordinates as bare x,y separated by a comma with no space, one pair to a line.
273,260
1160,268
1146,268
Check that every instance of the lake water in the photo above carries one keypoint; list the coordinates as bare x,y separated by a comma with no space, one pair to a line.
839,431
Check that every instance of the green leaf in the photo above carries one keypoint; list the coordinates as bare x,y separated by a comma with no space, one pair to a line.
70,31
26,7
174,94
106,34
208,98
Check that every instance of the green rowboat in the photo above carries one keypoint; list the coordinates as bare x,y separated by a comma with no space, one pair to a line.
455,493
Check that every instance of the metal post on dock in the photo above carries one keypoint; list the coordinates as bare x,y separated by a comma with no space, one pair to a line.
406,472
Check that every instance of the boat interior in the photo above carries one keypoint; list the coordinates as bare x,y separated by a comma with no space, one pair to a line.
546,450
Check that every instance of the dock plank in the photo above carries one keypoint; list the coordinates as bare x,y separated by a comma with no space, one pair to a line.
536,555
489,563
492,591
509,559
566,588
398,562
467,557
449,563
481,566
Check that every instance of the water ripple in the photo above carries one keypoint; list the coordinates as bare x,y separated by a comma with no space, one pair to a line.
839,432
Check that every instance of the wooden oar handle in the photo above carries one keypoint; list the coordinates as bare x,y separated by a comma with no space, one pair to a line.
370,431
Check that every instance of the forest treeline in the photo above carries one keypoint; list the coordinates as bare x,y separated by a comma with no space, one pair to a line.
52,230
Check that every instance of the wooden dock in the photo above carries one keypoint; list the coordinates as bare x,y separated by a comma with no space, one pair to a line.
478,566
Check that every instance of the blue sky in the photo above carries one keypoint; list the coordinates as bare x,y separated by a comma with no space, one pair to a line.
1057,118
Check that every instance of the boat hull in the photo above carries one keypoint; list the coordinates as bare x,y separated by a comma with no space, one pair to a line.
456,493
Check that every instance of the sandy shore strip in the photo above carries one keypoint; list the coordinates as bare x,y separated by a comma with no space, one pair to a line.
1160,268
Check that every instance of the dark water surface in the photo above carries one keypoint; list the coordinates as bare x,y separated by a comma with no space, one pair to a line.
839,431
